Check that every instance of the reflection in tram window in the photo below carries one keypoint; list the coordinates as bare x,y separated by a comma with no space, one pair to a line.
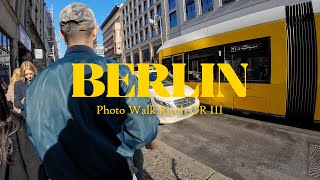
254,52
168,63
195,59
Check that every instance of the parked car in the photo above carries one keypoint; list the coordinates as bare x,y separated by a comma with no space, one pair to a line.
172,109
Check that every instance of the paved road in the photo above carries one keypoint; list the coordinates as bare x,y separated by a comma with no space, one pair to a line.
246,149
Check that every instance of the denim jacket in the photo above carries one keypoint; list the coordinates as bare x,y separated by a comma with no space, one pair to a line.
72,139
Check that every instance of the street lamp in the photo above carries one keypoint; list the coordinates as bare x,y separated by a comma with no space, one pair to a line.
153,22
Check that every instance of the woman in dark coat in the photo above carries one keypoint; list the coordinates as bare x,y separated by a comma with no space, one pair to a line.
18,159
27,72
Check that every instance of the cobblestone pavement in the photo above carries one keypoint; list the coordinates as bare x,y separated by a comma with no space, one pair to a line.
167,163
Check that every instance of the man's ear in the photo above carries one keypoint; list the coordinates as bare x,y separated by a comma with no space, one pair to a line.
95,32
61,34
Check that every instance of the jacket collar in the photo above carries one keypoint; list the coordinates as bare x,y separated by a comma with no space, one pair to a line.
79,49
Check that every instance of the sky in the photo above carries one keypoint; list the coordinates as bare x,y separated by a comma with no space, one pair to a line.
101,9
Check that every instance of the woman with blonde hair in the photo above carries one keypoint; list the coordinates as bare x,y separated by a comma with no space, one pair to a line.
10,93
28,71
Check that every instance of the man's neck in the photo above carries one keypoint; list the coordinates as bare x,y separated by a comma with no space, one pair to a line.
84,44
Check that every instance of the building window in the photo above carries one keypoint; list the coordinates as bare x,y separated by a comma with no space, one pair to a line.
150,2
124,34
134,3
206,5
153,31
146,20
132,41
140,22
147,33
140,9
128,59
136,58
127,19
172,4
159,10
130,6
137,39
132,30
141,36
128,30
126,10
125,44
152,14
124,22
5,56
146,55
227,1
129,45
145,6
190,9
135,14
136,26
123,12
173,19
159,26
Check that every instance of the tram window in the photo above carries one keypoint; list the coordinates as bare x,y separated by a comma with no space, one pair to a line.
177,59
168,63
254,52
195,59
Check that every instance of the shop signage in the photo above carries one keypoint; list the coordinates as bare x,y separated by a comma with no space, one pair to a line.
24,38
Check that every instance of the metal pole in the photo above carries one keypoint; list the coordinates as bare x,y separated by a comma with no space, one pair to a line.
161,29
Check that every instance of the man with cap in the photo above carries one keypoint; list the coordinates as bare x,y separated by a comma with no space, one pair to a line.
74,141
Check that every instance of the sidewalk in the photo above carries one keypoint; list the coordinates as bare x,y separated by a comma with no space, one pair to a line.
167,163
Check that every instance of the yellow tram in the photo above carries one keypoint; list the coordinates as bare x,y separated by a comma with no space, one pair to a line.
281,46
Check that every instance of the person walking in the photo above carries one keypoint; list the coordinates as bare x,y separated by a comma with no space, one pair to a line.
74,141
18,159
27,71
10,93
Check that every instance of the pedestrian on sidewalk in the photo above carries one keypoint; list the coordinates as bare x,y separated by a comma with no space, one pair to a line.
27,71
10,93
18,159
74,141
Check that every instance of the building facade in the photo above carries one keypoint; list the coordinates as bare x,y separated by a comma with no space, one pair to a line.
51,43
22,35
35,28
100,50
187,16
112,39
143,29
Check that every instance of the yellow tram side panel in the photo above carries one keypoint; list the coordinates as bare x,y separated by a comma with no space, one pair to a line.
265,98
317,113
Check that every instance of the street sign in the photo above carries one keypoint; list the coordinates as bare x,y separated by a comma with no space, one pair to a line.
38,53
